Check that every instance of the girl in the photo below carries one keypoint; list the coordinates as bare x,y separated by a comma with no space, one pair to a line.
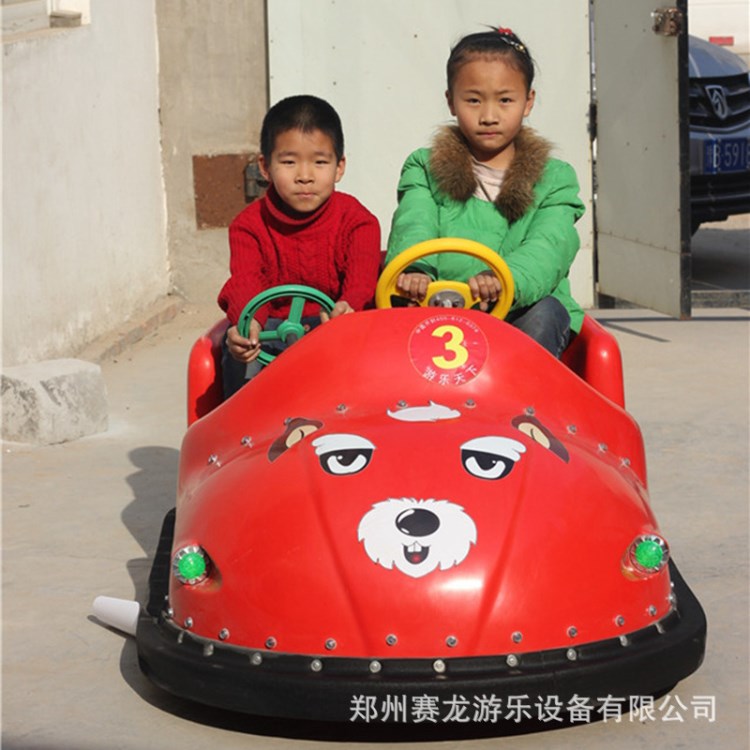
490,179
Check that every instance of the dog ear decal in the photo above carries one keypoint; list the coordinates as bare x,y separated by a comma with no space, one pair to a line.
296,429
533,428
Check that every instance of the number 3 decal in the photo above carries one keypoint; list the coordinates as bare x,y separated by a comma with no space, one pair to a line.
453,345
448,350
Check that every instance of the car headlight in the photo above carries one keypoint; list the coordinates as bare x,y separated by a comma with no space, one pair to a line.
646,555
190,564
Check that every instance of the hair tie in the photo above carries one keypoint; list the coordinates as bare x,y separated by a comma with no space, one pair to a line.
511,40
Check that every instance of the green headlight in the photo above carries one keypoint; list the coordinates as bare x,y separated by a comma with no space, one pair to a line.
190,564
649,553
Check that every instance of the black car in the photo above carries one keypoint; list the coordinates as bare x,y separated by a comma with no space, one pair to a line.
719,133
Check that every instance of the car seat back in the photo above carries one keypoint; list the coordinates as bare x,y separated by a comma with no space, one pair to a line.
594,356
204,386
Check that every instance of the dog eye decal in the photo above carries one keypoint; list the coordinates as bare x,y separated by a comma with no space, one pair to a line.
491,457
341,454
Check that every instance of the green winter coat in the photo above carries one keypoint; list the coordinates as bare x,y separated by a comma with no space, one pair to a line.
530,225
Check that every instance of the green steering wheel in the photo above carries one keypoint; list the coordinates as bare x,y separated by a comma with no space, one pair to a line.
290,329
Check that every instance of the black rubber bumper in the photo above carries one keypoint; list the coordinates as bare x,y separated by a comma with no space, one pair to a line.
336,689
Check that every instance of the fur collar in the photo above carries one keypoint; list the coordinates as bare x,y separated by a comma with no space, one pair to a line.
451,166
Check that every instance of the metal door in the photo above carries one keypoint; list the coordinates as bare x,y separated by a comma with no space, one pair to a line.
641,153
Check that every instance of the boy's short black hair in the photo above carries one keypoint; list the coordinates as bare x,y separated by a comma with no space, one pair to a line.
302,112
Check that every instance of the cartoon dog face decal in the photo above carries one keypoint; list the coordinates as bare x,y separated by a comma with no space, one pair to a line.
412,535
418,536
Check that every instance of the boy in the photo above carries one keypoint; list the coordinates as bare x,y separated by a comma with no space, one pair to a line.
300,232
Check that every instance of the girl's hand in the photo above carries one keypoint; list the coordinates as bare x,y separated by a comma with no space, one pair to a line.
413,285
241,348
342,307
486,287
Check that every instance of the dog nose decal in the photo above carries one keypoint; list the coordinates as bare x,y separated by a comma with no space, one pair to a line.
417,522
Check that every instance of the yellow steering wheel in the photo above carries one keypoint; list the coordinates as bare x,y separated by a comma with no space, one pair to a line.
438,292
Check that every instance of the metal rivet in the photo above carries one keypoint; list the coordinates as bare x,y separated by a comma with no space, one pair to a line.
213,458
341,408
572,429
270,642
571,654
530,411
208,649
316,665
619,621
602,447
247,440
625,462
188,623
331,644
402,404
439,666
512,660
517,637
223,634
391,639
572,631
375,666
451,641
652,610
672,599
470,403
256,659
169,613
624,640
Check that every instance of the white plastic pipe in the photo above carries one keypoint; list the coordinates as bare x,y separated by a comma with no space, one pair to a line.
117,613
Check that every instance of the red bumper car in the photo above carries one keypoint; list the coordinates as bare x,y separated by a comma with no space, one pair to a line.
416,515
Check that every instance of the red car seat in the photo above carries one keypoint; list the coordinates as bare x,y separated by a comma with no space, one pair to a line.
594,356
204,387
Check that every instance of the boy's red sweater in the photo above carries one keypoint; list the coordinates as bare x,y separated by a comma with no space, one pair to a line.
335,249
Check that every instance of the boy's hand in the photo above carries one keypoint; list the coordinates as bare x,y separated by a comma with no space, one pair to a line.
241,348
486,287
342,307
413,285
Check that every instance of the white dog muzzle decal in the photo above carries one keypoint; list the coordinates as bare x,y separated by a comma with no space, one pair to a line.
417,536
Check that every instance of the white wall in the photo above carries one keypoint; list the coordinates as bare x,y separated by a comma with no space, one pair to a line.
84,243
382,65
722,18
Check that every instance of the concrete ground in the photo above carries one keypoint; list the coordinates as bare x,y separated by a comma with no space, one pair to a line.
82,519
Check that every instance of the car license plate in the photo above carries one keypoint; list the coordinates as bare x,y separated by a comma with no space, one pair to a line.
726,155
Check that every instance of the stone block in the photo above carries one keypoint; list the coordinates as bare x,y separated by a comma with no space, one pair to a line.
53,401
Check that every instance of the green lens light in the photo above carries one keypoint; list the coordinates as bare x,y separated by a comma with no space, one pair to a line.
190,564
649,554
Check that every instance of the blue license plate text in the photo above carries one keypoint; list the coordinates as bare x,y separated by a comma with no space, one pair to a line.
726,155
